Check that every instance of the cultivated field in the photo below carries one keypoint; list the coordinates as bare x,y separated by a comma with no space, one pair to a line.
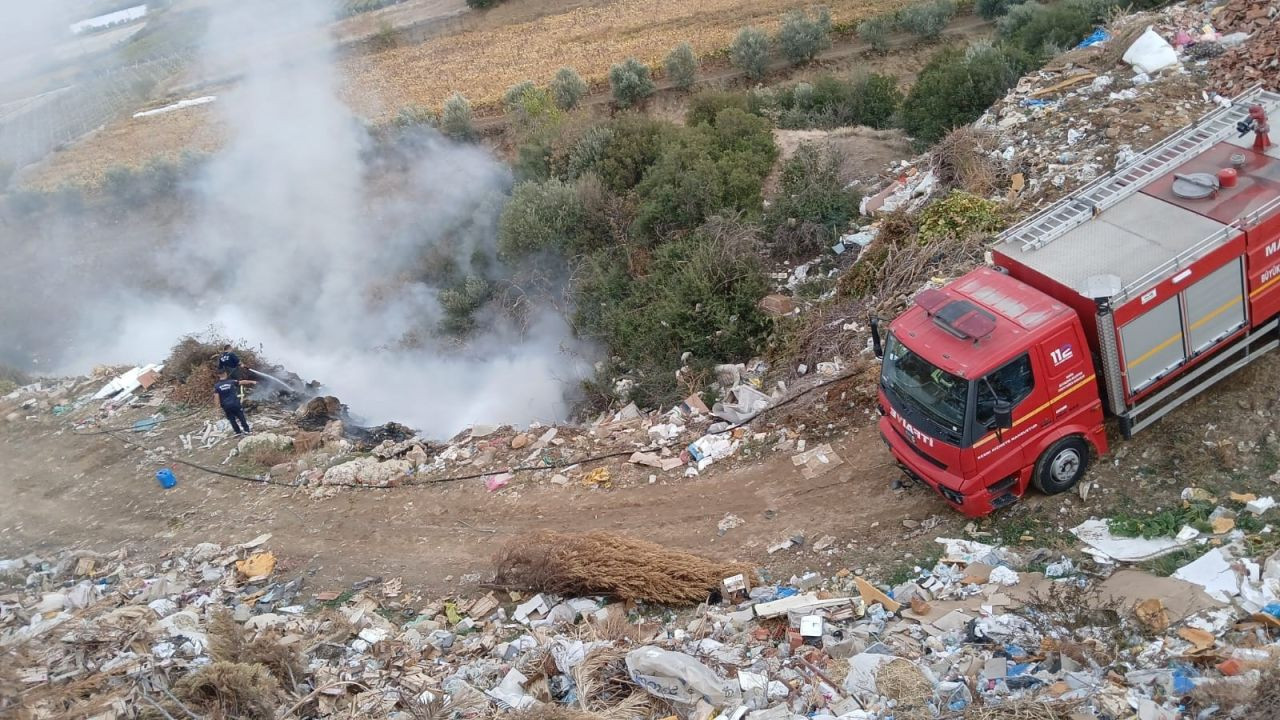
483,63
520,40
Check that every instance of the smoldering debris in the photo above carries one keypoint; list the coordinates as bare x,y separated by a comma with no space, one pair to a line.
327,246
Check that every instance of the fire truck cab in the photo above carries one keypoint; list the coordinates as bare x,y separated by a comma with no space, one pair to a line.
1126,298
988,387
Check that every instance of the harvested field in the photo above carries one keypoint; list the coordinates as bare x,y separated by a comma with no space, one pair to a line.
484,63
131,142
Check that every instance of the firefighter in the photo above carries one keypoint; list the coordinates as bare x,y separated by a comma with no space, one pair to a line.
230,362
225,393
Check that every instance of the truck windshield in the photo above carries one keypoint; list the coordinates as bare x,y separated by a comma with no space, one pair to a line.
922,387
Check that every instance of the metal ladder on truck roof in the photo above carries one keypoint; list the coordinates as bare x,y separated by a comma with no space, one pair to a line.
1069,212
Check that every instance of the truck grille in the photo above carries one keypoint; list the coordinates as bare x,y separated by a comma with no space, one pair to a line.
928,458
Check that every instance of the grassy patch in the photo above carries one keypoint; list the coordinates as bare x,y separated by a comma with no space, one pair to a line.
1166,565
339,601
1161,523
901,573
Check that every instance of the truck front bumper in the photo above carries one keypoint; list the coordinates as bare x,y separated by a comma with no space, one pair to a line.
974,505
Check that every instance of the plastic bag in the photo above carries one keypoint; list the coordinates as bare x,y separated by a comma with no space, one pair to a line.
675,676
1150,53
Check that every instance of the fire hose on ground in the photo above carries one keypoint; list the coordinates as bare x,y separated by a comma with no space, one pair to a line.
413,482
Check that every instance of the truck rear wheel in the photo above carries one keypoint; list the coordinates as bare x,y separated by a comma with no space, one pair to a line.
1062,465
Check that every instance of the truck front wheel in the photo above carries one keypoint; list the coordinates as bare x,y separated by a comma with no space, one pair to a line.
1062,465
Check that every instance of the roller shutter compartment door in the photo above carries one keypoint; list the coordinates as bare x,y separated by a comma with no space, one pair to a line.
1215,306
1152,344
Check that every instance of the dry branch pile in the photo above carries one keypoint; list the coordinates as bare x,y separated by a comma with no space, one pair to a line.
602,563
192,366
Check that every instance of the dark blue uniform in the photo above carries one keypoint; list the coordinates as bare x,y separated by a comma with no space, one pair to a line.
230,362
229,397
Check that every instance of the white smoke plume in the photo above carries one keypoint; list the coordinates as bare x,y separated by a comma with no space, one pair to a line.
296,245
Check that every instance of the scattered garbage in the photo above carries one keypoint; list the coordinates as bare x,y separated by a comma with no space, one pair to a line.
676,676
1150,53
1097,37
816,461
971,631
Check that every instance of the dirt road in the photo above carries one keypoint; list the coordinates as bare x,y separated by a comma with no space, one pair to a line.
64,490
94,491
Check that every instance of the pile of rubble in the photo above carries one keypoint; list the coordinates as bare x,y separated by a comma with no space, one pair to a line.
1255,61
219,632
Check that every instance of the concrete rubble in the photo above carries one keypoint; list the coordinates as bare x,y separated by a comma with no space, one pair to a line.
978,630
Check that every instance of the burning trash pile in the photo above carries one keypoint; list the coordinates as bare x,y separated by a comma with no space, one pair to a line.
681,442
314,442
600,625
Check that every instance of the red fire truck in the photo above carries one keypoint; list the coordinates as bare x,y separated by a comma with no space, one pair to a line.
1126,299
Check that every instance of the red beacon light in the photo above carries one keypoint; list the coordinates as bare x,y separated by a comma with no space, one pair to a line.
960,318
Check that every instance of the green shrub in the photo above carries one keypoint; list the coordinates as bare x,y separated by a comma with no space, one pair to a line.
736,131
121,183
704,106
630,82
801,37
547,217
588,153
532,161
870,100
706,169
515,94
750,52
700,294
812,208
876,99
959,215
355,7
1017,17
955,88
460,304
528,105
992,9
27,202
414,116
567,88
635,146
682,66
681,189
1035,28
455,120
875,32
68,199
927,19
482,4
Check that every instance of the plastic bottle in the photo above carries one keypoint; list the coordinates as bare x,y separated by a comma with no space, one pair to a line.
166,478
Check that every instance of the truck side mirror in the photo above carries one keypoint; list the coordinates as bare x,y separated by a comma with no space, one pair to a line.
877,345
1003,414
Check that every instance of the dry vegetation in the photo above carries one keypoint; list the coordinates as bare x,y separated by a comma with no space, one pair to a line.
484,63
601,563
192,367
131,143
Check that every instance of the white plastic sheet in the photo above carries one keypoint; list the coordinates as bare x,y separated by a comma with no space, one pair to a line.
1150,53
675,676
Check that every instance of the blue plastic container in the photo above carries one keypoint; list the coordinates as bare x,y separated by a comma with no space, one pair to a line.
166,478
